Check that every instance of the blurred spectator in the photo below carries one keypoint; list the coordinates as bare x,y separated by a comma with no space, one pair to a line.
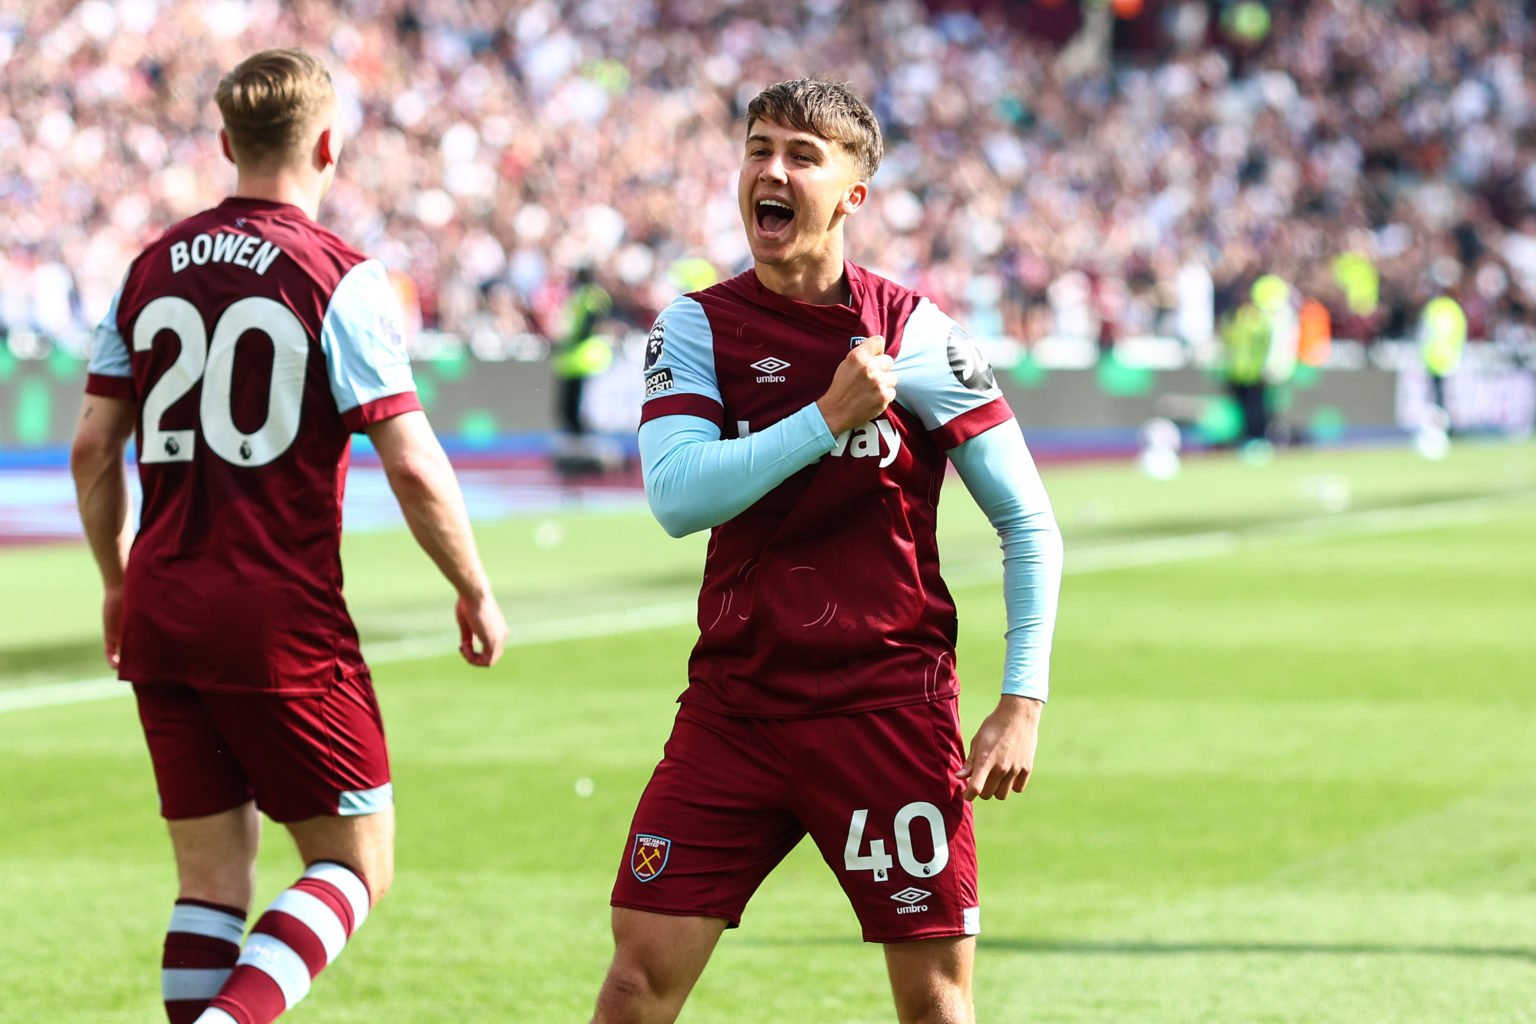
1245,332
1442,335
582,352
504,145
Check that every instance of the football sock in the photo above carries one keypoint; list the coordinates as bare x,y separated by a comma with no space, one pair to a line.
302,931
201,944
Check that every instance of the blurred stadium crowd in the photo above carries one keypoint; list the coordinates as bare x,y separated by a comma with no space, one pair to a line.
1373,154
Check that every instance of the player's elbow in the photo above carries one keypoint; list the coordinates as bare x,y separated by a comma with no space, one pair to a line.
1049,536
1057,545
670,505
412,474
677,523
1043,540
92,454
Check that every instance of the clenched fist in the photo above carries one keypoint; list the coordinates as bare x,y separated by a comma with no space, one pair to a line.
861,388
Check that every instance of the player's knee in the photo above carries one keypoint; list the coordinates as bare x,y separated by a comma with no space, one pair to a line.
379,883
939,1001
629,985
952,1014
946,1008
229,885
379,876
631,994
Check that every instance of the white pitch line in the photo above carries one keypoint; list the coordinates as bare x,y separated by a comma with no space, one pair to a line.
391,652
50,695
1191,547
1097,558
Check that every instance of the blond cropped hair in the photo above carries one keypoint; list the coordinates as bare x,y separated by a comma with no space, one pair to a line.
830,110
270,102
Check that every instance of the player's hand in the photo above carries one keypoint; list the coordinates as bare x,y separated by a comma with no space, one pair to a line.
482,630
862,387
1003,751
112,624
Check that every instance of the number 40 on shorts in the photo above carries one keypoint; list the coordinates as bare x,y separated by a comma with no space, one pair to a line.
879,862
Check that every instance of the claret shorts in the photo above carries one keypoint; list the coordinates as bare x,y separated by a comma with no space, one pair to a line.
297,757
875,790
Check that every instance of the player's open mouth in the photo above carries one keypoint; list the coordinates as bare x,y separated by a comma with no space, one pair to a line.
773,217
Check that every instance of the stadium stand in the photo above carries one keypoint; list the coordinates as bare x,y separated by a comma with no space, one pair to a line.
1044,187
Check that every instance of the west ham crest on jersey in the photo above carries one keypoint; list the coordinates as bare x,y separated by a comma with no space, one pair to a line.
649,856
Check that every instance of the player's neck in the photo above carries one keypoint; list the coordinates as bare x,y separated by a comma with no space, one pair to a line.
820,283
279,188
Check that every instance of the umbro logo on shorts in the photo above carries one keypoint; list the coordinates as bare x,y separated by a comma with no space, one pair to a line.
913,897
649,856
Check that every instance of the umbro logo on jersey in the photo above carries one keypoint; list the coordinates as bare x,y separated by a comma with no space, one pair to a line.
770,369
913,898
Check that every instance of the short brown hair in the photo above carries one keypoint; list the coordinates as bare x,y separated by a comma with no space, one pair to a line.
828,109
269,102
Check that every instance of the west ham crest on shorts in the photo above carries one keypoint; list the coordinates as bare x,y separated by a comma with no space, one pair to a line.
649,856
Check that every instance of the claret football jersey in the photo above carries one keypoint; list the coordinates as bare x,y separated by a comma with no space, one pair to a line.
824,596
254,343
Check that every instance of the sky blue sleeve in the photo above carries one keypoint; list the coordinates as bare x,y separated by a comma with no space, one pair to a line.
944,379
680,365
363,339
1000,474
109,354
695,480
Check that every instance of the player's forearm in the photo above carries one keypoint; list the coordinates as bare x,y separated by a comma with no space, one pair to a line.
101,494
695,480
433,506
1000,474
1032,560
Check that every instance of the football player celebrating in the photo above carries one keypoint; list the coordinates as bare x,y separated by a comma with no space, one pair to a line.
805,412
244,348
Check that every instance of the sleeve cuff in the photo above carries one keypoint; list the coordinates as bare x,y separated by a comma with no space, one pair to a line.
1039,691
971,423
813,430
380,409
684,405
104,386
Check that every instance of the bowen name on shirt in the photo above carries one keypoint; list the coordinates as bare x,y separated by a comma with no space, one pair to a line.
225,247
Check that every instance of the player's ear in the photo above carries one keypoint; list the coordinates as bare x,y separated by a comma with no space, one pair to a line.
327,148
229,153
854,198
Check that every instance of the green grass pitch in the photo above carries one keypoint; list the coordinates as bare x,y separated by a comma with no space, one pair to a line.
1288,773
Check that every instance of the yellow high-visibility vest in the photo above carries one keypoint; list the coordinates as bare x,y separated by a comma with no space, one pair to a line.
1442,335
